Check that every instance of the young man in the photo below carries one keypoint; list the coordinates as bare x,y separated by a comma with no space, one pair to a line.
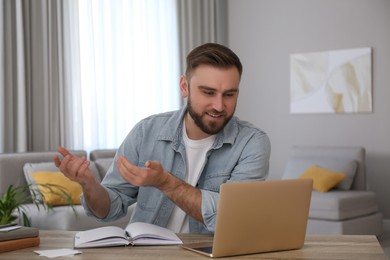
172,164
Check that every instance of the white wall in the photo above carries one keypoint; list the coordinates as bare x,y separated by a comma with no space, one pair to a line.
265,32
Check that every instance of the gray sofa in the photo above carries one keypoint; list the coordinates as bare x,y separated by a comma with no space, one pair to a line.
13,171
349,208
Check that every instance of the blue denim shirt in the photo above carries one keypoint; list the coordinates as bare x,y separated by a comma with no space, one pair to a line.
240,153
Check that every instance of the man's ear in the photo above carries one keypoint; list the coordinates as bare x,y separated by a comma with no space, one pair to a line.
184,86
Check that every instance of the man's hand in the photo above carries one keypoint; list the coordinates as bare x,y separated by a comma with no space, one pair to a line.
77,169
152,175
73,167
188,198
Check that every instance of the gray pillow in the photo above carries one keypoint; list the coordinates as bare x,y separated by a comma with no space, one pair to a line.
296,167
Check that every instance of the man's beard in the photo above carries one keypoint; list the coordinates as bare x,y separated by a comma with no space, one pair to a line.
211,128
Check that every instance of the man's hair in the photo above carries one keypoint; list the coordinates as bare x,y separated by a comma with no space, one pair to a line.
212,54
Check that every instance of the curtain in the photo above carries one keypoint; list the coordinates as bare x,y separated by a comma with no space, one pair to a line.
47,97
31,76
199,22
13,124
128,65
71,101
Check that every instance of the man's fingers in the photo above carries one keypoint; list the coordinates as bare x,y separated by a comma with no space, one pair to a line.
83,167
57,161
126,165
151,175
77,166
148,164
63,151
64,164
71,166
153,165
56,158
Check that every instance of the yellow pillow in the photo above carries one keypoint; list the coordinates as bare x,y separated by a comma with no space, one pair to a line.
54,195
323,179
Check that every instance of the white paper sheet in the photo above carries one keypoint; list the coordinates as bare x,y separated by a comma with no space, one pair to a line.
57,252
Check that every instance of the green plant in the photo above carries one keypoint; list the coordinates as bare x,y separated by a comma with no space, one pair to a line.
13,200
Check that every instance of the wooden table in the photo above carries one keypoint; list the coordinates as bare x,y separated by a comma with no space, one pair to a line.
316,247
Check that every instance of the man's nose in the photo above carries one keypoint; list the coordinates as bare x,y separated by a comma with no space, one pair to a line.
218,103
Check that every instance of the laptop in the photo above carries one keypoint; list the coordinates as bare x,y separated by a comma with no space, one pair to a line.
259,217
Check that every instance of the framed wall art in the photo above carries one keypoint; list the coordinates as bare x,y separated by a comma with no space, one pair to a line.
338,81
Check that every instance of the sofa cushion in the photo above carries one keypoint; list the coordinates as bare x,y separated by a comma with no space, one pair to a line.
323,178
103,165
30,168
297,166
54,195
340,205
68,218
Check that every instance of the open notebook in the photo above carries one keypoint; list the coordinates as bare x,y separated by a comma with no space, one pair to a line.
256,217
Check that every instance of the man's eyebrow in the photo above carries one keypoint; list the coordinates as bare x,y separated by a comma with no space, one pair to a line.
213,89
206,87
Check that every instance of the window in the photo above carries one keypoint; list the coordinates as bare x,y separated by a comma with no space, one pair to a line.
129,68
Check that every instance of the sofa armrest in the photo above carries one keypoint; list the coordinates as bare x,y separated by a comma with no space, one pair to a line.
11,166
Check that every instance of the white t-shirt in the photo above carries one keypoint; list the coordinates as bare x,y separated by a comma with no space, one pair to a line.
196,155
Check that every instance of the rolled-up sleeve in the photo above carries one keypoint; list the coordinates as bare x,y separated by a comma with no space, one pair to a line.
116,209
251,163
209,208
119,203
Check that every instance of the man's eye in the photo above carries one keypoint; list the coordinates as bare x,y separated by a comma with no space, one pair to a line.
231,94
209,93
